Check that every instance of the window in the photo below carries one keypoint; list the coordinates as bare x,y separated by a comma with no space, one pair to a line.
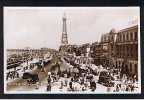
136,36
131,50
127,36
136,69
123,37
130,67
119,51
131,36
136,47
119,37
127,51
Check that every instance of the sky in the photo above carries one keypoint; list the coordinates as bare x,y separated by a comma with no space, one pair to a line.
38,27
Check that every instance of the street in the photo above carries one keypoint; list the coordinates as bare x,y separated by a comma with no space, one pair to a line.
60,83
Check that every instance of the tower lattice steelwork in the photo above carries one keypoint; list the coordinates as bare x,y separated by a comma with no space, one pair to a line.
64,40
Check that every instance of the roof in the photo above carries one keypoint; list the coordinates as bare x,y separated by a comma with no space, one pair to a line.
128,28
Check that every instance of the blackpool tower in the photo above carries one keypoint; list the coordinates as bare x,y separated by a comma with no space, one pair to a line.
64,39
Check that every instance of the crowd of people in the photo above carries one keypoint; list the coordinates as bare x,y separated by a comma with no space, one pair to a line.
126,85
80,75
12,75
123,88
73,81
76,78
15,73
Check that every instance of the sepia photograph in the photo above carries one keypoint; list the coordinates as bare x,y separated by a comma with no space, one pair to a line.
72,50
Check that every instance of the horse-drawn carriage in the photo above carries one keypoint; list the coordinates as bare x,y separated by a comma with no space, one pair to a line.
105,78
31,78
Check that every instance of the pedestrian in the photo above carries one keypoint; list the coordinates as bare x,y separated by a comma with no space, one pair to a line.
37,85
82,80
61,86
49,79
83,87
132,88
24,69
49,87
93,85
127,88
134,78
65,82
117,88
17,75
13,75
71,86
123,87
8,74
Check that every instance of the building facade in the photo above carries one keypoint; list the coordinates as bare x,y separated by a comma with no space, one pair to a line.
96,53
127,50
118,50
105,48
